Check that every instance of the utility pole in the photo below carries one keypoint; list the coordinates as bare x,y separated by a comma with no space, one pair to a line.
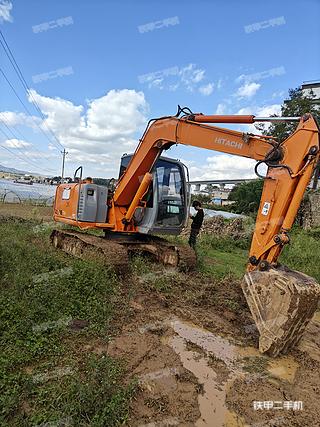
64,153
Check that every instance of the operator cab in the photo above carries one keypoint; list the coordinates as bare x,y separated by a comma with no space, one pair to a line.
167,201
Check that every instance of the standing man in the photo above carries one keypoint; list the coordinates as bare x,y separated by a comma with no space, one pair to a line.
196,223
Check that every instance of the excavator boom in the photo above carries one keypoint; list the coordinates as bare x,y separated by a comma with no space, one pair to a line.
281,301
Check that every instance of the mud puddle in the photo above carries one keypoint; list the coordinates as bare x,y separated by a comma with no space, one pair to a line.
217,363
212,398
190,376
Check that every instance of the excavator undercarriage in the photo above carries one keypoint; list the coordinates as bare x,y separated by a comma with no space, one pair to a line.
115,253
152,197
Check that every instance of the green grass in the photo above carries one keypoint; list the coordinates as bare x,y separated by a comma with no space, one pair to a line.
222,256
164,281
303,252
256,365
93,393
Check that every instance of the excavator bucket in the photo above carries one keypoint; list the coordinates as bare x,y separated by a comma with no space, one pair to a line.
282,302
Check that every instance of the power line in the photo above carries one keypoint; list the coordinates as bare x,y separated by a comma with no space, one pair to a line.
25,84
23,156
24,138
13,127
20,158
24,159
25,107
14,91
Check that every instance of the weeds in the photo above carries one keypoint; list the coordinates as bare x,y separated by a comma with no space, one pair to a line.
256,365
36,291
41,286
303,252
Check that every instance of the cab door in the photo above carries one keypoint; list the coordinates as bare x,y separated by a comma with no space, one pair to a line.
167,201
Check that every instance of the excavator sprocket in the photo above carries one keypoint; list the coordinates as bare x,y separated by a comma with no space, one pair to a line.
282,302
116,253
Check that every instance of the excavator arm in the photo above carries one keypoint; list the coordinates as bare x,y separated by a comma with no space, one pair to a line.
290,167
282,301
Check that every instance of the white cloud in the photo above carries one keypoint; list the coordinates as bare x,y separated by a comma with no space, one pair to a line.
248,90
219,83
221,109
16,143
12,119
157,83
191,74
188,77
279,94
97,133
264,111
223,166
269,110
5,11
272,72
206,90
40,155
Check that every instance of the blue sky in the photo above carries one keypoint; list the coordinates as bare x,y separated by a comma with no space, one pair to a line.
196,59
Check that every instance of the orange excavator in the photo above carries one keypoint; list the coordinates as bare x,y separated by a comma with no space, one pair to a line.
152,197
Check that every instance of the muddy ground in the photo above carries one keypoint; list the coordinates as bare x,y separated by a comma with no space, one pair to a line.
190,343
197,361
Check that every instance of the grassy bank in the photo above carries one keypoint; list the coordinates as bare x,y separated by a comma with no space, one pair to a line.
221,255
58,314
303,252
48,322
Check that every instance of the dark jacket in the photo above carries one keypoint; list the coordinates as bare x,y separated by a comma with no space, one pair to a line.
197,219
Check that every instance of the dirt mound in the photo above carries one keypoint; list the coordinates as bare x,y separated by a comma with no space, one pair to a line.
219,226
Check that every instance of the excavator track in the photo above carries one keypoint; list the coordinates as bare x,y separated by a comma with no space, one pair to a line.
116,253
87,246
282,302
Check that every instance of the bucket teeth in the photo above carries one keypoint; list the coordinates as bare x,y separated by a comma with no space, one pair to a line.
282,302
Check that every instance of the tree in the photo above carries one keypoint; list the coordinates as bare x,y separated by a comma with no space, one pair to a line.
204,199
246,196
210,188
110,182
297,105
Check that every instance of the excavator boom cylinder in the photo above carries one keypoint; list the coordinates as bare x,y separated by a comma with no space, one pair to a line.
282,301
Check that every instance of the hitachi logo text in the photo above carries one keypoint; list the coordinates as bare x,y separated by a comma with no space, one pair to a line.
228,143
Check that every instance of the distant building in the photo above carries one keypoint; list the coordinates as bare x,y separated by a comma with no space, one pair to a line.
9,175
220,197
312,88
